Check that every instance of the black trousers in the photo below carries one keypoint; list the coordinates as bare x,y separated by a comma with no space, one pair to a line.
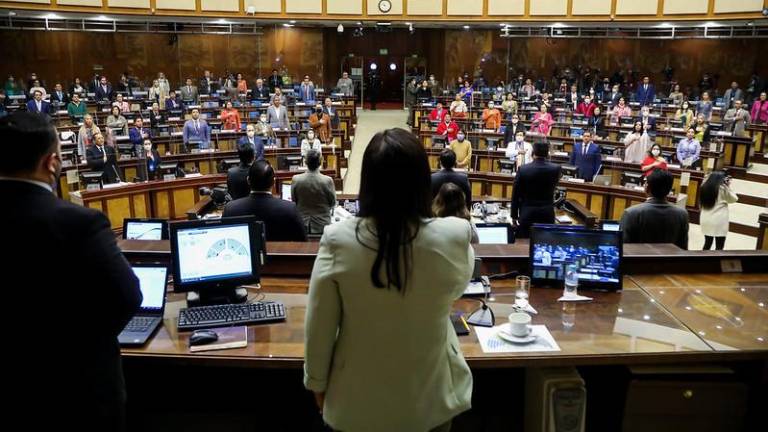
719,242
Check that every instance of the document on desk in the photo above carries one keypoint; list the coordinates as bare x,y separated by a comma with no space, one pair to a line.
491,343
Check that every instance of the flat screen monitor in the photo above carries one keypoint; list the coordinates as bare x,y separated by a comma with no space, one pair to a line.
596,253
216,253
145,229
285,191
152,281
495,233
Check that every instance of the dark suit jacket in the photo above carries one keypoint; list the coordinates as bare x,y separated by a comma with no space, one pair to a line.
156,119
45,107
95,160
651,121
450,176
64,99
645,97
533,194
655,221
152,166
511,131
262,93
588,164
101,94
179,104
275,81
282,221
334,117
237,181
258,145
76,275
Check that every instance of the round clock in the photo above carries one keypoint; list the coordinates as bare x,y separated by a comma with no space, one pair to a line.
385,5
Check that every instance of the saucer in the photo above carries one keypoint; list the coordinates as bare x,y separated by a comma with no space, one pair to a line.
516,339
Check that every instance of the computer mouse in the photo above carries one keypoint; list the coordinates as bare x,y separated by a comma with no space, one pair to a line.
202,337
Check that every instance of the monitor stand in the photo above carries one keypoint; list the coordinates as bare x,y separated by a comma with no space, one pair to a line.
217,296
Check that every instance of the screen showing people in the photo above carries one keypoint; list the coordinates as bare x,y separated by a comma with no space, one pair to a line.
152,284
596,253
214,253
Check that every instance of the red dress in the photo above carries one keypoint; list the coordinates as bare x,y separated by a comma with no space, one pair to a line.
452,129
438,116
230,119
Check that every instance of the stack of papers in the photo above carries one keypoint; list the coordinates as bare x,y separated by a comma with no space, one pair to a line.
491,343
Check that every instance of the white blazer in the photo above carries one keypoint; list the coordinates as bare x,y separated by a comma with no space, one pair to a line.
715,221
388,361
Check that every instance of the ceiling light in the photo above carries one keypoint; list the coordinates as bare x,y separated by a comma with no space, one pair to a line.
392,66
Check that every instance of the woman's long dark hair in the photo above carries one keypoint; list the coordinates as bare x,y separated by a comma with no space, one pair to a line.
395,194
710,189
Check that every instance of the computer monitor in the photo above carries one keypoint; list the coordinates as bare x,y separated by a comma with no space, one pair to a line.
285,191
125,150
506,166
495,233
93,180
226,164
168,170
610,225
596,253
632,179
212,257
288,162
145,229
569,171
576,132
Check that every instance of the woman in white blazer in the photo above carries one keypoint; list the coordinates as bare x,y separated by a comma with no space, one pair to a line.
715,195
381,353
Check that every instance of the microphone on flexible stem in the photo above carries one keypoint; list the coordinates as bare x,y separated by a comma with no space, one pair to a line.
483,316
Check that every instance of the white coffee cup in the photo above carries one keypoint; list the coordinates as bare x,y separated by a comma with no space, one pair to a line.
519,324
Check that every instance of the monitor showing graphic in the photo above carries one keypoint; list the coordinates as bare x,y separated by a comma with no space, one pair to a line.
596,253
286,191
144,230
492,235
212,253
152,284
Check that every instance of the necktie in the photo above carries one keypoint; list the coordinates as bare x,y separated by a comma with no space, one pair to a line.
189,89
197,126
103,154
584,149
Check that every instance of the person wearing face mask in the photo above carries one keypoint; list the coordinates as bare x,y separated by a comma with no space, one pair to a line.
448,128
509,106
519,151
230,117
329,109
492,117
84,389
264,130
653,161
103,158
512,129
688,149
438,113
255,142
458,108
636,144
152,161
586,108
498,93
596,123
320,122
463,149
310,143
684,115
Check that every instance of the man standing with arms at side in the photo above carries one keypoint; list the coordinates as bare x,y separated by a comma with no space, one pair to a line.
38,106
586,157
196,129
314,194
534,191
277,115
656,220
70,261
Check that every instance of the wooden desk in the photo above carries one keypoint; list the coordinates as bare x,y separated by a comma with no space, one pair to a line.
616,328
762,238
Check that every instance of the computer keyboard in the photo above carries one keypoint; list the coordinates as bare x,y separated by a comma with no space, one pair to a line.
231,314
139,323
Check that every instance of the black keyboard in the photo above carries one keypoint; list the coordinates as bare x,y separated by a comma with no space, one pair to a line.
231,314
139,324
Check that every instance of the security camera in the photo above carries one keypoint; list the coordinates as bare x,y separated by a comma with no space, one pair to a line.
340,28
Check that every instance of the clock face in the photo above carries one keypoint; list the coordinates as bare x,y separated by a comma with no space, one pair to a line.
385,6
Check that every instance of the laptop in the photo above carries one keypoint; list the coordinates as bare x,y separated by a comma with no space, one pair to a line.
495,233
152,282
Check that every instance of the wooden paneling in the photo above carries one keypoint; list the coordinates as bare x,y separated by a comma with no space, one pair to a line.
34,1
465,7
303,6
265,6
345,7
591,7
506,7
220,5
549,7
88,3
728,6
139,4
635,7
674,7
175,4
425,7
373,8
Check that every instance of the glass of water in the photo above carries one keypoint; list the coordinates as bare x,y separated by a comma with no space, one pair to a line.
571,279
522,290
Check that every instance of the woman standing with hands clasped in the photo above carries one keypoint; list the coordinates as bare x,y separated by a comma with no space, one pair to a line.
715,195
636,144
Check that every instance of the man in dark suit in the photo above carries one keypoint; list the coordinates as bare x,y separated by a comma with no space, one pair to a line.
586,157
104,90
37,105
173,103
237,176
656,220
274,80
512,129
534,191
76,276
260,91
206,83
102,158
448,175
137,134
94,84
281,218
329,109
59,95
255,142
645,92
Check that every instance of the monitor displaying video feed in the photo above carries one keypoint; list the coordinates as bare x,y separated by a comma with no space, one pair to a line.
596,253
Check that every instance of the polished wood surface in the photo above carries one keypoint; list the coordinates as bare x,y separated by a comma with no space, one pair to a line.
629,327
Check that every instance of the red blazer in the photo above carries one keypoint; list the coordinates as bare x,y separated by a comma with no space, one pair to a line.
759,111
452,129
434,116
587,110
649,160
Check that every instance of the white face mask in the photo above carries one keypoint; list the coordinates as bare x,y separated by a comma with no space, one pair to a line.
250,133
263,119
655,152
519,139
460,137
490,106
500,88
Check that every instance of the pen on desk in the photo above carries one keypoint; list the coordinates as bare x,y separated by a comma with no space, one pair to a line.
463,321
